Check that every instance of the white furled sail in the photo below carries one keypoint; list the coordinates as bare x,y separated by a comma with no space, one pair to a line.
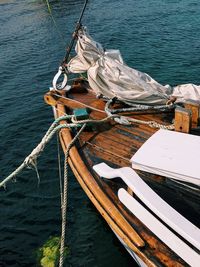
184,92
108,75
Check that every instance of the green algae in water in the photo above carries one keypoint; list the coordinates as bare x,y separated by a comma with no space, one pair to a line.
48,255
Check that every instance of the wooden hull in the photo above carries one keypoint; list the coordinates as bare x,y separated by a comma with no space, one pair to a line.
115,144
138,260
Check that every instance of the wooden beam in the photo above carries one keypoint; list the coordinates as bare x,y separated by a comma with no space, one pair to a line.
183,120
194,106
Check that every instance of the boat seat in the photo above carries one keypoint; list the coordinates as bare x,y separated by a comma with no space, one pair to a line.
162,209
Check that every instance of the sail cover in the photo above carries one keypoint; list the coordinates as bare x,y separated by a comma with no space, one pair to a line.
108,75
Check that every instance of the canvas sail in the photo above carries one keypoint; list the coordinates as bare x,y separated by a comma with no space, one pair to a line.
108,75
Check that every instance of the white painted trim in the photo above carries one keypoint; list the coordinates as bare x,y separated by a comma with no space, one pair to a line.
161,208
161,231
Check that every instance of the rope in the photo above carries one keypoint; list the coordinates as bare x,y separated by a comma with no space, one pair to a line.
59,168
152,124
127,120
31,160
90,120
64,204
74,36
121,119
137,107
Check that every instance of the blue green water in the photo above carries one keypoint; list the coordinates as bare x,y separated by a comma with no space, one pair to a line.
159,37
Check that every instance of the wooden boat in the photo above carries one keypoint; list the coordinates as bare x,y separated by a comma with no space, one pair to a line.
135,208
154,211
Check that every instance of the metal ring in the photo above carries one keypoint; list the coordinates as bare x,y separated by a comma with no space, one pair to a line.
56,77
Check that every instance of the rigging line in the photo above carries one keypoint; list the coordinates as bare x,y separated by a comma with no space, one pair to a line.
32,157
54,22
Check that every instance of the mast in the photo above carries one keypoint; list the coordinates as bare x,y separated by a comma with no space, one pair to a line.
74,36
62,70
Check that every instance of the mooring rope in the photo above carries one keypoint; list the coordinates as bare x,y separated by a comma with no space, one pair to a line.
59,168
64,197
31,160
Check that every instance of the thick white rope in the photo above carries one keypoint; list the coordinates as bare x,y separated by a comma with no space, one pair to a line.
31,160
152,124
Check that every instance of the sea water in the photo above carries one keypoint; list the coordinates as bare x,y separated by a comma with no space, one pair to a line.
159,37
